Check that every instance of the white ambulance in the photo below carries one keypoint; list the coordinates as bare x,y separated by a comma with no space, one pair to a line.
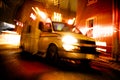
58,41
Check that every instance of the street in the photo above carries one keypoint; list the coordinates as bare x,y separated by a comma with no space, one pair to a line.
15,65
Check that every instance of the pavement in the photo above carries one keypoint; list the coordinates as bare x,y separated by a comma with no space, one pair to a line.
109,61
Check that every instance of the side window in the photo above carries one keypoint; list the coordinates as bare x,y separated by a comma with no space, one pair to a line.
45,27
28,29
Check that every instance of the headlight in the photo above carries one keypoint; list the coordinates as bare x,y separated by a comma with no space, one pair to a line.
69,43
69,40
68,47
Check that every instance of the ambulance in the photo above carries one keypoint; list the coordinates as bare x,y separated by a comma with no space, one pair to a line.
56,41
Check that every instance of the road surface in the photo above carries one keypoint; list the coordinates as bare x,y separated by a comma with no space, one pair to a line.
17,66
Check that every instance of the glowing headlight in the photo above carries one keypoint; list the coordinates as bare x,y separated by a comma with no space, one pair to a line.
69,40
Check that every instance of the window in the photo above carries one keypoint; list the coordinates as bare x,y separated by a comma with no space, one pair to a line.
91,2
90,25
58,26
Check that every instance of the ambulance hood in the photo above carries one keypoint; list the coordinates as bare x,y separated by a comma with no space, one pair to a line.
75,35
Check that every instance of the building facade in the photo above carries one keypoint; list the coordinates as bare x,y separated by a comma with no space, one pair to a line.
57,10
99,19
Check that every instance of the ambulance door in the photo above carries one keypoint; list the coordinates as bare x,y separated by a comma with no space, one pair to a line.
44,39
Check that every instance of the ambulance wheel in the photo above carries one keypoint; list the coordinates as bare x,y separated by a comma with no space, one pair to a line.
52,54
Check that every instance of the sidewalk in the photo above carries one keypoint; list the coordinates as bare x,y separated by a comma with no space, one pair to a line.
109,61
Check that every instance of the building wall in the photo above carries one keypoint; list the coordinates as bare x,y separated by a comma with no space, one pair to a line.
24,13
63,4
47,7
100,11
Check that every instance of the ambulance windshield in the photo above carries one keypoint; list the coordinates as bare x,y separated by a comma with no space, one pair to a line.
61,27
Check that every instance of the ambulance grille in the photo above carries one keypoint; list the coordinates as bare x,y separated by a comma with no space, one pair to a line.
87,47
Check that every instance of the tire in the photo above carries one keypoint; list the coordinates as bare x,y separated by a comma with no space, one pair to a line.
52,54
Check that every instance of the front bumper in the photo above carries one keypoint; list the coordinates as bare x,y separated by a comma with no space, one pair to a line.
73,55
